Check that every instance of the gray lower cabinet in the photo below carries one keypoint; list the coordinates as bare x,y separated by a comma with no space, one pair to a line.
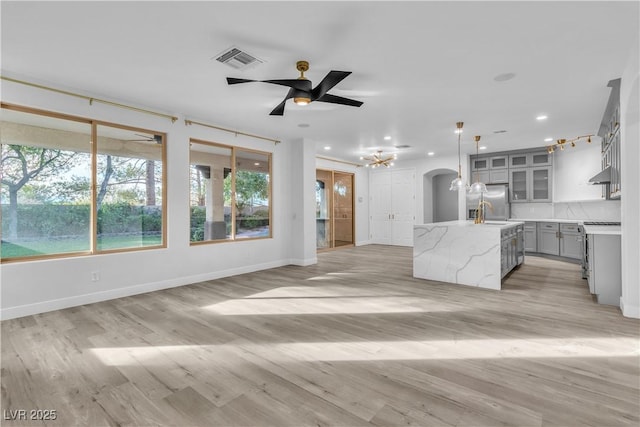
548,234
531,236
512,248
559,239
571,241
604,267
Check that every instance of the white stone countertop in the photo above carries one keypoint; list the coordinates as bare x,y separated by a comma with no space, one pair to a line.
603,229
563,221
469,223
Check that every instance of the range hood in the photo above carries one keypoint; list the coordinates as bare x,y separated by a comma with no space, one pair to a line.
603,177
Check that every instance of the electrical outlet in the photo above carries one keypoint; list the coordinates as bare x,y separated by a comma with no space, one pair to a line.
95,276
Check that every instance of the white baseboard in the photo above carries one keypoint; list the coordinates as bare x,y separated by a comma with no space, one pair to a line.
629,310
304,262
77,300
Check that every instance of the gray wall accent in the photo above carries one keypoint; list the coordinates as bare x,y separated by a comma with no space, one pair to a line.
445,202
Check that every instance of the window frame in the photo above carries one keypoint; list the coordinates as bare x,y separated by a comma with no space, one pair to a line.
93,220
234,149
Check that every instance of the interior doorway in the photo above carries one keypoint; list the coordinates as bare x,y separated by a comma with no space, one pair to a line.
334,209
440,204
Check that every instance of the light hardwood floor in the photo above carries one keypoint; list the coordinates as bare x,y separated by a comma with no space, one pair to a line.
351,341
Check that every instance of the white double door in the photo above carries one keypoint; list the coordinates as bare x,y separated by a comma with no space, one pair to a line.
392,203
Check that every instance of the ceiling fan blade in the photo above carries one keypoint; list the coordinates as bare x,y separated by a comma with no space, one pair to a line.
279,110
329,81
333,99
234,81
303,85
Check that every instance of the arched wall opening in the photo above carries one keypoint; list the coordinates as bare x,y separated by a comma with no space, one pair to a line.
439,204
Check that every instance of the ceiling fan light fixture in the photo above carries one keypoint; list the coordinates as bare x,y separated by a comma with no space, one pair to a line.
302,101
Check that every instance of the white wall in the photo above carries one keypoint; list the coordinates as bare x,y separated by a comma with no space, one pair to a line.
302,224
37,286
572,169
630,179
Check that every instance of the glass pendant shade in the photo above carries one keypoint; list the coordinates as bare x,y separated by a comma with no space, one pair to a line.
478,188
458,185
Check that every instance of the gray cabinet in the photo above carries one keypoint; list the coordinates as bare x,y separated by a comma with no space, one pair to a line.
528,173
610,133
499,162
511,248
541,184
532,184
479,163
604,267
529,159
498,176
548,236
563,240
570,241
530,236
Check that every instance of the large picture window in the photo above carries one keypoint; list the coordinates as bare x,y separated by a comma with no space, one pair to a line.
129,188
48,206
230,193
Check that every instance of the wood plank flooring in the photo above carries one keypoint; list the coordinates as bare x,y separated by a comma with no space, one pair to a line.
352,341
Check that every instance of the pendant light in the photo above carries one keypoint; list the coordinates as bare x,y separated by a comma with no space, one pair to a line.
457,184
478,187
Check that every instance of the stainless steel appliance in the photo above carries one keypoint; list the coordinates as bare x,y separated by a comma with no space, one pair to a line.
498,196
585,244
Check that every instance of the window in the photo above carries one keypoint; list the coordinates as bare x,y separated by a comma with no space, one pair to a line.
48,208
229,203
129,186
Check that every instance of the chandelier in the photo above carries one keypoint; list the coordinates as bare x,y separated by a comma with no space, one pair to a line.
377,159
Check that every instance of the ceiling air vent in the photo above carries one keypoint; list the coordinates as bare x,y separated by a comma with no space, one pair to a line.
237,59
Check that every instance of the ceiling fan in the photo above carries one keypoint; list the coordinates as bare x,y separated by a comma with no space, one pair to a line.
301,91
377,160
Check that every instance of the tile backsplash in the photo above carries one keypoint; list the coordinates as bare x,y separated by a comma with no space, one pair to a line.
603,210
596,210
532,210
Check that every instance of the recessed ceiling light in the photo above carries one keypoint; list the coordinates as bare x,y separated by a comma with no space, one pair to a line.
387,138
541,117
482,147
430,153
548,139
327,148
504,77
457,131
303,125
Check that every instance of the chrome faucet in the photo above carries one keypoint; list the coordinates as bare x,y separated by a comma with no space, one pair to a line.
480,211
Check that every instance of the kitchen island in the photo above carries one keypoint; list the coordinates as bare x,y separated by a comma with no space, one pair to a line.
465,253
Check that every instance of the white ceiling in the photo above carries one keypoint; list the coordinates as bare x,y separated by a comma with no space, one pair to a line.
419,67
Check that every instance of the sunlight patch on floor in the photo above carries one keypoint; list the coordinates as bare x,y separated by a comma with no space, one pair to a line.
374,351
326,305
462,349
